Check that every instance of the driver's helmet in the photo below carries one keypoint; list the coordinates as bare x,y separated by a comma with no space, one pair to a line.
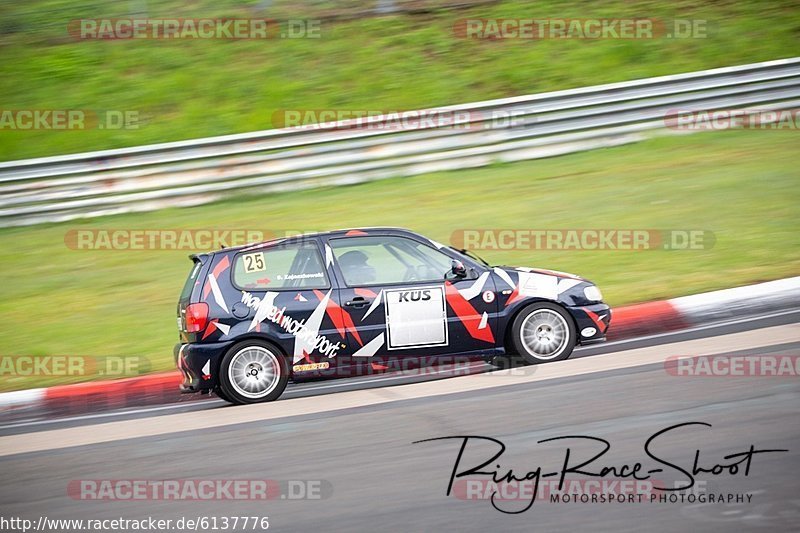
355,268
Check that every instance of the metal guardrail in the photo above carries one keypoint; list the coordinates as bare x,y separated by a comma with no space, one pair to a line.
197,171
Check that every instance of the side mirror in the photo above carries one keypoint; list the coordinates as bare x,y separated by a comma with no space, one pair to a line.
458,269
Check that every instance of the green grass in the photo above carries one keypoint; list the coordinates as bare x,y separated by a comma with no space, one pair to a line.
741,185
186,89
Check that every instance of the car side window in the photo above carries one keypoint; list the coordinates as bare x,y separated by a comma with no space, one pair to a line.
382,260
281,267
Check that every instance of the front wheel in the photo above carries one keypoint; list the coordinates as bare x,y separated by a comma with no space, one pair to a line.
543,332
253,371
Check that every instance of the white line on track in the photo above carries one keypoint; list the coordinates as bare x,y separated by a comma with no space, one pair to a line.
211,403
347,382
182,423
704,327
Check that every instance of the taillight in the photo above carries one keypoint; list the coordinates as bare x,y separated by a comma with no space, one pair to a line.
196,317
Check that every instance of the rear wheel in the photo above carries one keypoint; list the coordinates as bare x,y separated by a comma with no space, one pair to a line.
221,394
543,332
506,361
253,371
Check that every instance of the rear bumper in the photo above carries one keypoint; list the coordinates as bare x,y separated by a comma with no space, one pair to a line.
592,321
199,365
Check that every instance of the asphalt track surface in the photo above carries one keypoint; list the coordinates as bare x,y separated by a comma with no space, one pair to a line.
355,437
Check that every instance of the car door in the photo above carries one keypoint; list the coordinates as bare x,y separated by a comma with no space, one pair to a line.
404,305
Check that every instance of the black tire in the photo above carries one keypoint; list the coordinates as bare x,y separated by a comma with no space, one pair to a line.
253,371
507,361
549,332
221,394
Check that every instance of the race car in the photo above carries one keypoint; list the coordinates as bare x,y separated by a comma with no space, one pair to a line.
345,302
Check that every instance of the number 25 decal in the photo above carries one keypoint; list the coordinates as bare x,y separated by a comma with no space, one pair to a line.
254,262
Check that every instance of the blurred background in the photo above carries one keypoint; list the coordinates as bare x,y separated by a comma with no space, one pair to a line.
350,55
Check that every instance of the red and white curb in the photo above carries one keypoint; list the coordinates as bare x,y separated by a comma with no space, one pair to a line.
150,389
688,311
626,322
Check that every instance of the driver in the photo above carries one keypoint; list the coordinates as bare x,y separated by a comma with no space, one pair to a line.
355,268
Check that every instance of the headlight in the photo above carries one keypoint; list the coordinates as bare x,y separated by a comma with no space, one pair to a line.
593,294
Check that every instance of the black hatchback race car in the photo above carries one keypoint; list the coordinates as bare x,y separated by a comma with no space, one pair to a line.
343,302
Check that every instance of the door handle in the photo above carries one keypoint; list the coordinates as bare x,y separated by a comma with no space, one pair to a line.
357,302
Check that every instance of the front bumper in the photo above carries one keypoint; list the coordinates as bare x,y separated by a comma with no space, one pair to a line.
199,365
592,321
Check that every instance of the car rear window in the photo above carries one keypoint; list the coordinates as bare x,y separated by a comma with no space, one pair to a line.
187,287
280,267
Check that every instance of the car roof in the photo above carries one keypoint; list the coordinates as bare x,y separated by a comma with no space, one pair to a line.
350,232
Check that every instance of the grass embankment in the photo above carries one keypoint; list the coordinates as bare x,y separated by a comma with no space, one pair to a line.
742,185
197,88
